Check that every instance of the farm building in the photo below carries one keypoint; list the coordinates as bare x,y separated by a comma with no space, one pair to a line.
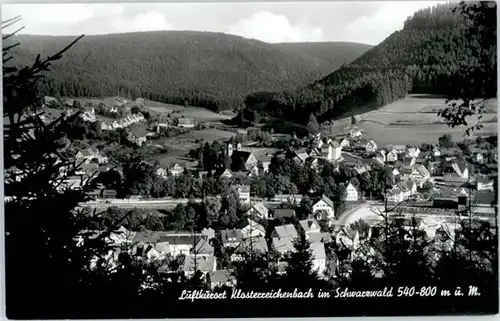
186,122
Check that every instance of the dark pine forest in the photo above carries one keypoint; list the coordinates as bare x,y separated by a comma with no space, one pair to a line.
211,70
426,56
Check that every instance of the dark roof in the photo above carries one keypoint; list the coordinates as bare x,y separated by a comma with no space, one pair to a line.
172,239
283,212
485,198
258,244
109,192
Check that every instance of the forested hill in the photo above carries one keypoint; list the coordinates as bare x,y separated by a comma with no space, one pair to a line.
423,57
212,70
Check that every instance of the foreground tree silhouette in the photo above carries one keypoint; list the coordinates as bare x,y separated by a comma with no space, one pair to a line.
476,79
300,272
49,274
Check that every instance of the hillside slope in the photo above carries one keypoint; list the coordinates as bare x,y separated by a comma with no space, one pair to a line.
424,57
212,70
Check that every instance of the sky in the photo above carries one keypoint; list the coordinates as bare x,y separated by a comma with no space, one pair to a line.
367,22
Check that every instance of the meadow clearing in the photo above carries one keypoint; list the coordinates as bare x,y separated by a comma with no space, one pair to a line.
198,113
414,120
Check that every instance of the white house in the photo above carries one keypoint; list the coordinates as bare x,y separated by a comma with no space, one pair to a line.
371,146
162,172
484,184
176,170
319,257
392,155
413,152
344,142
420,173
300,158
436,152
253,229
324,204
186,122
402,191
395,172
231,238
352,194
381,156
285,231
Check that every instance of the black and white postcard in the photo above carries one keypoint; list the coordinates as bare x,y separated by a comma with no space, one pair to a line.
250,159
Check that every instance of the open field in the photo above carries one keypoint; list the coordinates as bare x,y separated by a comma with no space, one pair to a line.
178,147
414,120
199,114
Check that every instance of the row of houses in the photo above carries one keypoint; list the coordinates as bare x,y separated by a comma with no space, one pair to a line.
124,122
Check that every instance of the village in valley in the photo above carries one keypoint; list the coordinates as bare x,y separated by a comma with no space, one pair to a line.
202,210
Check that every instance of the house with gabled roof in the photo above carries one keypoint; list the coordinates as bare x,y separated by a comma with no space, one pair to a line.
352,194
361,168
392,156
285,231
300,158
420,173
259,209
176,170
461,169
203,248
208,233
283,245
162,172
186,122
309,226
223,172
231,238
242,161
179,245
381,156
252,229
484,183
283,213
325,204
371,146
